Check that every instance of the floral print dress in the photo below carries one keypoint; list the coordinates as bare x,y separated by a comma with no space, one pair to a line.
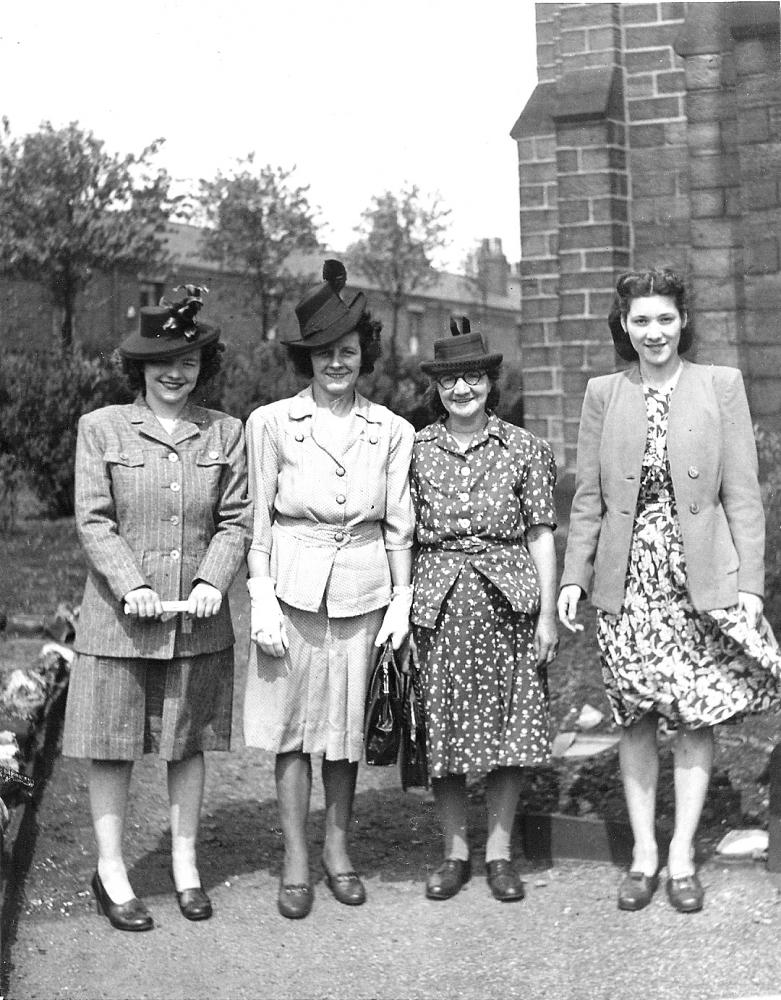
659,654
477,596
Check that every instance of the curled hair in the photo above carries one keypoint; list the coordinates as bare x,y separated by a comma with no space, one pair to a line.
437,408
638,284
368,331
131,371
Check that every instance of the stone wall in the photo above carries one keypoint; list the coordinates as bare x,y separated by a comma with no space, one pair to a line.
652,137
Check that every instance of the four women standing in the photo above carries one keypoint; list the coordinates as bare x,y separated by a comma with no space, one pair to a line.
666,530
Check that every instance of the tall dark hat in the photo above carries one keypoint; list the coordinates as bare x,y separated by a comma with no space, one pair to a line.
170,329
463,351
323,315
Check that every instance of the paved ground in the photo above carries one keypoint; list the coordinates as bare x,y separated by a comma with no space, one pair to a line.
566,940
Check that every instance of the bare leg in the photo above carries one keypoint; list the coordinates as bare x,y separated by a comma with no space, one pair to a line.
109,784
339,778
294,788
185,793
450,797
692,770
639,759
503,787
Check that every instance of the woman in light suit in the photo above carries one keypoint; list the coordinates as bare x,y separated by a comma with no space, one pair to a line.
667,531
163,516
330,566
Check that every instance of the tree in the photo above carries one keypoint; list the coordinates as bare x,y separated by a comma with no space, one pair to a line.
256,220
399,237
69,208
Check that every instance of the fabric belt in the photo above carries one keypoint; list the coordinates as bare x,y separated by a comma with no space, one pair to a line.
328,534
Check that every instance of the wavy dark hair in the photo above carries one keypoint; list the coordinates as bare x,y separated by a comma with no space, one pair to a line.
638,284
368,331
436,407
130,372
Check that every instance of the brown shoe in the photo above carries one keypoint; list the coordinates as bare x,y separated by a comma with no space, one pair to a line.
448,879
506,884
637,890
686,894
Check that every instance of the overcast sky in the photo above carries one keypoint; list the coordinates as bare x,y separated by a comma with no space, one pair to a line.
361,96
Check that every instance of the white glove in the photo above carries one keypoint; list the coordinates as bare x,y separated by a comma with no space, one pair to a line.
396,621
267,622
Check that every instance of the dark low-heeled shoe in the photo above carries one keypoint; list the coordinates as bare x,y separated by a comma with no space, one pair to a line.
686,894
194,903
347,887
294,901
505,883
445,881
636,890
130,916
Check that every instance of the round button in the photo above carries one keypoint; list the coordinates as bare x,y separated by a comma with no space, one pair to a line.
341,498
693,472
214,454
175,487
172,456
464,522
339,536
174,553
123,456
465,470
339,470
694,508
373,439
299,437
174,518
463,497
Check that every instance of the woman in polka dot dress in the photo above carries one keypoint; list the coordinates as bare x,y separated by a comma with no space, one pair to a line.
484,607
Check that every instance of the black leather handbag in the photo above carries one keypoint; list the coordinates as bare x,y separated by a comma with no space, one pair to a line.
414,758
384,710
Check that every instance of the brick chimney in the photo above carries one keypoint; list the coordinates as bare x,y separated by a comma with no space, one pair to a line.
493,267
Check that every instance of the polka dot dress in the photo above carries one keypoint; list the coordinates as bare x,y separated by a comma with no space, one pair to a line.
476,597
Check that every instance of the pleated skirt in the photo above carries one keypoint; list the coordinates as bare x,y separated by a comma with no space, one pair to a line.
312,699
121,708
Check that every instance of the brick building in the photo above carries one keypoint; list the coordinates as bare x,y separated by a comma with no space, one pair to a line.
653,136
109,309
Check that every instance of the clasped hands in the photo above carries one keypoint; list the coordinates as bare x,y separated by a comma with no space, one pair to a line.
204,602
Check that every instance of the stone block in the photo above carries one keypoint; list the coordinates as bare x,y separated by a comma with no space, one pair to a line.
762,256
535,245
714,293
538,357
648,60
541,220
540,380
574,211
647,135
603,38
653,185
602,263
703,72
530,331
573,356
754,125
644,209
571,262
567,161
712,233
573,383
675,133
761,194
608,158
538,172
706,106
584,15
651,35
609,210
600,303
756,55
654,109
572,41
673,11
541,404
572,305
579,186
594,235
639,13
673,82
705,136
640,86
539,308
531,195
713,170
576,135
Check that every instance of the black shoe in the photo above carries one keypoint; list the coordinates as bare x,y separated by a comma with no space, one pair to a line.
686,894
448,879
295,901
506,884
194,904
347,887
130,916
636,890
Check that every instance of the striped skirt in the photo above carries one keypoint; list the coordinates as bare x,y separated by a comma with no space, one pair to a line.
312,698
120,709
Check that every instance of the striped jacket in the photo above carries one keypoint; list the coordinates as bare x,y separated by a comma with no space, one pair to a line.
159,511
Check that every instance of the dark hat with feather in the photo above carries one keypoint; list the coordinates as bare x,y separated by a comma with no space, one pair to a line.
170,329
323,315
463,351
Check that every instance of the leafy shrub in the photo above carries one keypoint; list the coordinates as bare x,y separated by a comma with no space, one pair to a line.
42,396
249,380
769,451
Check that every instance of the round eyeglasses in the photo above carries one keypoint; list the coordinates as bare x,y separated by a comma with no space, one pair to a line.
449,381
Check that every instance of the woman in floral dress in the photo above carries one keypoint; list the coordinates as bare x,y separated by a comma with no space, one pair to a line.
484,605
667,529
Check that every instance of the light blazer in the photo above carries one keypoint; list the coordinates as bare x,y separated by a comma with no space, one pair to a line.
161,511
713,464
